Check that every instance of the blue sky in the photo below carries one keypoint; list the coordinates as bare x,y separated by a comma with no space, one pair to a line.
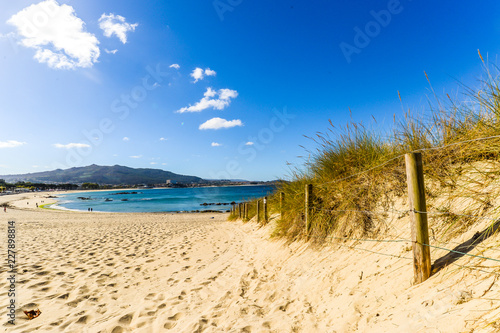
224,88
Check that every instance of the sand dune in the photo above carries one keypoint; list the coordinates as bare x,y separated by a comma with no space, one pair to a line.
102,272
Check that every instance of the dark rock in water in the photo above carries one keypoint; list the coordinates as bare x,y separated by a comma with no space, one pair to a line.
108,199
124,199
233,203
133,192
83,198
215,204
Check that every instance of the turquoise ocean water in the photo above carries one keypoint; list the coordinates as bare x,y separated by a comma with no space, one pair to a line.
161,200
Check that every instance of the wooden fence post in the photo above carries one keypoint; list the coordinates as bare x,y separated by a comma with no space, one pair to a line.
258,210
240,212
265,211
308,206
418,215
246,211
282,202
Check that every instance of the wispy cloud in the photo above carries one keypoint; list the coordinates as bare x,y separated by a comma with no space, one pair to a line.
163,139
199,74
176,66
60,40
218,123
208,101
115,25
126,139
249,143
110,51
216,144
153,163
136,156
71,145
11,144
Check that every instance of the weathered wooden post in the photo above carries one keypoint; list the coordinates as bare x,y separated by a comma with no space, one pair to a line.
240,210
282,202
246,211
418,216
308,206
258,210
265,211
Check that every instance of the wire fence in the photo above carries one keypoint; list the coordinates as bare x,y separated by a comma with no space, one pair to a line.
461,250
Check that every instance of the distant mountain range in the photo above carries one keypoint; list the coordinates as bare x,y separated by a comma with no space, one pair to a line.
111,175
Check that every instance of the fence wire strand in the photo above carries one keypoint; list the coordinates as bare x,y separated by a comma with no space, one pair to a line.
407,211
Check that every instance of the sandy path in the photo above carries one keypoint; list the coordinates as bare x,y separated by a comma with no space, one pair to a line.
101,272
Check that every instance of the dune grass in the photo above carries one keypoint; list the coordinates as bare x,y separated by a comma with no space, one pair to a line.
358,175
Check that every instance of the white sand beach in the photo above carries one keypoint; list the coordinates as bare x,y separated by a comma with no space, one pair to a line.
163,272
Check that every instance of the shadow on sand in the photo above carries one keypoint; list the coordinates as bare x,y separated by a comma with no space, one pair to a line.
465,247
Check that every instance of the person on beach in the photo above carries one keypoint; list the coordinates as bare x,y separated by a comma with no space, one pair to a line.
5,209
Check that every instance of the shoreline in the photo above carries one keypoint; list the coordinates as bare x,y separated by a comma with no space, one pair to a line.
19,200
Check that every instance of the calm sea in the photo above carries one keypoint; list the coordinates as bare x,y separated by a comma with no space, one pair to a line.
161,200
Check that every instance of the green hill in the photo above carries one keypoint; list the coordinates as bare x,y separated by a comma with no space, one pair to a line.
112,175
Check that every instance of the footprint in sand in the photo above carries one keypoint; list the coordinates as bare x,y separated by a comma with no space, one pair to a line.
149,296
126,319
172,320
117,329
82,320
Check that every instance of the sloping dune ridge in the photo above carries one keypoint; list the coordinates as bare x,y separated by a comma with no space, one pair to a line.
164,272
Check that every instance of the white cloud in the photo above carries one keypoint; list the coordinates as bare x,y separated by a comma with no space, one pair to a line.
115,25
216,144
223,100
136,156
176,66
111,51
198,73
153,163
57,35
218,123
163,139
249,143
11,144
209,72
72,145
126,139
